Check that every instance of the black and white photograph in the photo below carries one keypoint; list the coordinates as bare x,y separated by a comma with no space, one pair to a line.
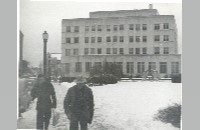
99,65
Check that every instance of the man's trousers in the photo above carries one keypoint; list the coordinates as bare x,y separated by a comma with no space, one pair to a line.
43,118
75,121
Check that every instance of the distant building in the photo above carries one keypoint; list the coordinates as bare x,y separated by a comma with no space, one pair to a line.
20,60
21,46
137,40
54,64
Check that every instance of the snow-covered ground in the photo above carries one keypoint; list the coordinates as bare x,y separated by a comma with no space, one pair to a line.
123,106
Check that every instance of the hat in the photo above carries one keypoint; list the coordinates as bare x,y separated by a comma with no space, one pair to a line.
80,79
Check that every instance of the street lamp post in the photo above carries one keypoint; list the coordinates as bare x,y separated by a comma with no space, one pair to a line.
45,37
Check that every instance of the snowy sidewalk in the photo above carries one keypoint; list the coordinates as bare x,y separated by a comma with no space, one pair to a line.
28,120
121,106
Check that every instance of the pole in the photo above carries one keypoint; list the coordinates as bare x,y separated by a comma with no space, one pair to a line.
45,58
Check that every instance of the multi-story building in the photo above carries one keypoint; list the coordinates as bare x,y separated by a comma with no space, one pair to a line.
54,64
21,46
138,40
20,60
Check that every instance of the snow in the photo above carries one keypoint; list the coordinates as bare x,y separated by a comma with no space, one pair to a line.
125,105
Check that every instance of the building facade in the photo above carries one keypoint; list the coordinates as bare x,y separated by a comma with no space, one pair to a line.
54,65
137,40
20,60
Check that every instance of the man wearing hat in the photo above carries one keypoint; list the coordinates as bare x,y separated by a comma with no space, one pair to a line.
79,105
43,90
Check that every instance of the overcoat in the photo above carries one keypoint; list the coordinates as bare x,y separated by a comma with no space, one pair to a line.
45,93
83,109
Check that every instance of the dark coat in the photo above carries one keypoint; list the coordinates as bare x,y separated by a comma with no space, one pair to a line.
46,95
81,106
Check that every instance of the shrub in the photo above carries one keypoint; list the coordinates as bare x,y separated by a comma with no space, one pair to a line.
171,114
103,79
176,78
109,79
166,76
107,68
138,76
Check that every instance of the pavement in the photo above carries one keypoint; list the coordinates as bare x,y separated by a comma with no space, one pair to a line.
121,106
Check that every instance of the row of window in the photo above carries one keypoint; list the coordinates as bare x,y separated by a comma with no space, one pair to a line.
120,27
88,51
129,66
117,39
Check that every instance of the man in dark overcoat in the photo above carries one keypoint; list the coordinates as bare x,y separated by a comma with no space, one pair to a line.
79,105
43,90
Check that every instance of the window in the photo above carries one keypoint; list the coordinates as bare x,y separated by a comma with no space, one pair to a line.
137,50
108,39
144,50
144,38
130,50
75,52
108,51
87,28
166,38
68,29
99,51
86,39
166,50
86,51
97,64
156,50
137,38
131,39
109,63
144,26
120,64
163,67
93,28
152,65
108,28
68,40
175,67
114,50
165,26
157,38
140,67
137,28
88,66
92,39
76,29
115,27
99,28
114,38
156,26
76,40
121,27
67,67
78,67
121,39
129,67
67,52
121,50
92,50
131,26
99,39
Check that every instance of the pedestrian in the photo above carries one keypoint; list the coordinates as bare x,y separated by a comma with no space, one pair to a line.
43,90
79,105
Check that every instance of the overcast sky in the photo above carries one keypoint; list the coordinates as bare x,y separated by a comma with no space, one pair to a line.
37,16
